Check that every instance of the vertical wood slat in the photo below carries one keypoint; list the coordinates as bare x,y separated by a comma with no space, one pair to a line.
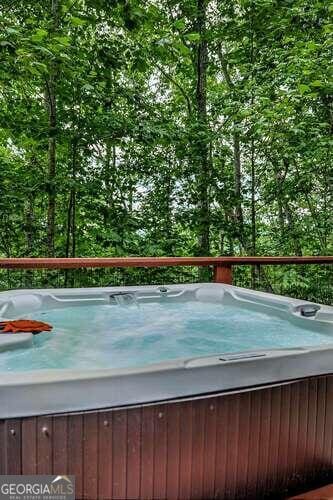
160,451
60,444
173,452
45,441
133,454
243,447
275,424
328,443
311,427
302,428
147,452
186,449
3,455
13,445
29,445
265,429
234,446
90,455
293,430
105,455
320,425
75,451
254,445
284,434
221,446
198,443
119,449
209,457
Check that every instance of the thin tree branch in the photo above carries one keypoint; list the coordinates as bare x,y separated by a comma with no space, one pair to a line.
179,87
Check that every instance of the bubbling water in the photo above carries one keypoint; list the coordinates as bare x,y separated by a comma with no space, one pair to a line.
125,335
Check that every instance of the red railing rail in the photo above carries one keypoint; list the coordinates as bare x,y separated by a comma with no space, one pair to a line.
222,265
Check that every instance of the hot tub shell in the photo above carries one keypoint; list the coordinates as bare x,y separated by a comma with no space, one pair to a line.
52,391
246,425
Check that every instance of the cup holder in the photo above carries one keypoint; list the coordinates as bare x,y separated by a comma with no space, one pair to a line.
308,310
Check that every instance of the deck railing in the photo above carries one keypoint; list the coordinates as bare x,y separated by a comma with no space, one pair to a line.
309,277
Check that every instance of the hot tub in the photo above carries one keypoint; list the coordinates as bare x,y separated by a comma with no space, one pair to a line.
120,346
181,369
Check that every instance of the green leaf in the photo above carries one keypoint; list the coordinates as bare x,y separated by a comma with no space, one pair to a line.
77,21
193,37
317,83
87,86
5,43
183,49
179,24
64,40
39,35
303,88
12,31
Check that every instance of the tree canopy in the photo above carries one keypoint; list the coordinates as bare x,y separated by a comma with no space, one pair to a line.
164,127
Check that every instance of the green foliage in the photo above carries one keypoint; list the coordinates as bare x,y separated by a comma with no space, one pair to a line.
130,142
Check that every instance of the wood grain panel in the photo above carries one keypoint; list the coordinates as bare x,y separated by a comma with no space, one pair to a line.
173,452
75,451
45,440
293,433
198,444
319,460
302,428
209,458
29,445
232,445
247,445
105,455
254,444
186,449
221,446
133,454
311,427
60,445
264,438
3,455
160,451
275,432
13,447
283,458
147,452
242,461
90,455
119,452
328,439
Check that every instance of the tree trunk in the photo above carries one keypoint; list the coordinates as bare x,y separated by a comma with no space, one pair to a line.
52,142
29,226
255,271
238,185
71,213
238,210
109,179
202,140
293,232
68,227
71,216
167,208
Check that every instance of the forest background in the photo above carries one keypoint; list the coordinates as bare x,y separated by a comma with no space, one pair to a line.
163,127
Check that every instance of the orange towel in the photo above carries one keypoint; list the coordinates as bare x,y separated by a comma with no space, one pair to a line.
24,325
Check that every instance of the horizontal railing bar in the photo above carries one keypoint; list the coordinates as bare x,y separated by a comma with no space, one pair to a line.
88,262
